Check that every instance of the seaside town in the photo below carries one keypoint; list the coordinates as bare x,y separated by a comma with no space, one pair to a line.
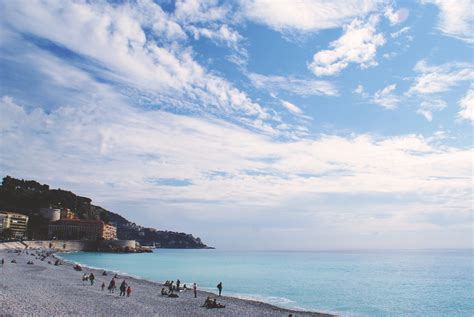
63,224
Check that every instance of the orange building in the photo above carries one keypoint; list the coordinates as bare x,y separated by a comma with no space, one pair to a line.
81,229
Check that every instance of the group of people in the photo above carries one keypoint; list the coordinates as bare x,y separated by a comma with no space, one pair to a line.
212,303
89,277
125,289
208,303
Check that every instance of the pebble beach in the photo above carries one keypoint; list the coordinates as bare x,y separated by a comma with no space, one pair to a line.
43,289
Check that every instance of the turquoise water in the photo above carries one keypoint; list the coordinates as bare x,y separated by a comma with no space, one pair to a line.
356,283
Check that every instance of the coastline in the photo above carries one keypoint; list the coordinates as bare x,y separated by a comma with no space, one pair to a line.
59,290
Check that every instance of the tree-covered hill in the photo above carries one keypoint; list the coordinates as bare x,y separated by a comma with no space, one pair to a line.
28,196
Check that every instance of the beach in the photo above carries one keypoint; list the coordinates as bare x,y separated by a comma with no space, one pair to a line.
44,289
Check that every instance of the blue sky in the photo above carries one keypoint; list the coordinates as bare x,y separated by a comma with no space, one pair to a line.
252,124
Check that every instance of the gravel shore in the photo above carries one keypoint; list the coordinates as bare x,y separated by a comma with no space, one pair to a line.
44,289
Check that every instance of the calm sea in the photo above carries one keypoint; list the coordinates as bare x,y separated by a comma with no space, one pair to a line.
350,283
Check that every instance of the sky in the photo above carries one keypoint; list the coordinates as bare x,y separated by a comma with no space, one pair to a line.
253,124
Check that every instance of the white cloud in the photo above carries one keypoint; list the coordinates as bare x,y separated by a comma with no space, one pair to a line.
291,107
386,98
456,18
396,17
428,106
467,106
359,90
114,37
306,15
358,44
221,34
441,78
110,151
297,86
195,11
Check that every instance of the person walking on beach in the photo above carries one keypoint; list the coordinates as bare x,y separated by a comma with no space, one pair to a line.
112,285
92,278
219,287
103,286
178,282
129,291
123,288
195,290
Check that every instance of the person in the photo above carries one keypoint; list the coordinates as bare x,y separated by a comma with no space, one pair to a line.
129,291
170,287
207,302
178,282
219,287
195,290
112,285
123,288
92,278
215,304
163,292
85,277
103,286
104,273
3,261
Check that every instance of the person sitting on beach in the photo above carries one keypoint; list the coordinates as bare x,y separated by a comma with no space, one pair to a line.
123,288
215,304
104,273
92,278
129,291
207,302
163,292
103,286
173,295
77,267
85,278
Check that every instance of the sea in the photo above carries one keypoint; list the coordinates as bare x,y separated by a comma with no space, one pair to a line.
349,283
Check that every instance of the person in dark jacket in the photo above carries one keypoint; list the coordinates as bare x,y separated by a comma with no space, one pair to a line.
123,288
91,278
219,287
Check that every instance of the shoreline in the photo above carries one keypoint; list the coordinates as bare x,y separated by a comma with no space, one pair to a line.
145,297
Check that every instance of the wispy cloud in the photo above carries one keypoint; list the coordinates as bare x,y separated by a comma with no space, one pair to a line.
116,39
456,18
291,107
427,107
386,98
297,86
439,78
467,106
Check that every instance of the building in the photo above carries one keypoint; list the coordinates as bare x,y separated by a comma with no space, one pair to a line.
109,232
17,223
50,214
81,229
66,213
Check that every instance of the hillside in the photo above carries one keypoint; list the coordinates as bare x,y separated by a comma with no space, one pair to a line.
28,196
